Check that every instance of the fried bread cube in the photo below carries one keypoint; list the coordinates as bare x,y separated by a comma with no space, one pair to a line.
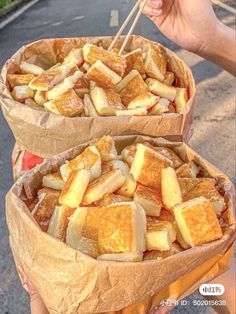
90,110
103,76
180,99
155,63
106,184
170,189
67,104
147,166
197,221
59,222
134,61
145,100
122,228
75,187
169,78
19,79
82,230
106,148
53,181
74,56
29,68
112,199
162,90
188,170
149,199
21,93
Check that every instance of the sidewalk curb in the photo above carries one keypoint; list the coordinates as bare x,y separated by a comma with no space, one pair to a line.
16,14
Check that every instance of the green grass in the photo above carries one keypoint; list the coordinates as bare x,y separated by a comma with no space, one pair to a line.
4,3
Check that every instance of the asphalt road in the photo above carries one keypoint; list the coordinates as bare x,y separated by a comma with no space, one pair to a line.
214,119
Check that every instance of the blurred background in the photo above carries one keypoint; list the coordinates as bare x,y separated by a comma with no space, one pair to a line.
22,22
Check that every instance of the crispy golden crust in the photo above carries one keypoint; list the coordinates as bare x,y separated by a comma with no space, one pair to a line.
91,223
187,170
85,160
144,100
112,199
111,60
155,64
44,80
158,235
198,222
102,78
19,79
187,184
114,99
106,147
135,87
134,61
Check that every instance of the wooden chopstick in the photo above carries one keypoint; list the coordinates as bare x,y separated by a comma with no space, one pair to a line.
126,23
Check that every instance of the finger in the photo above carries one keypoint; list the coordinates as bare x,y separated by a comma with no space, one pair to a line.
23,278
155,4
152,12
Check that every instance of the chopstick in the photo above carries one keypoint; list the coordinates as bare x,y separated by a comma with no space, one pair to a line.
125,24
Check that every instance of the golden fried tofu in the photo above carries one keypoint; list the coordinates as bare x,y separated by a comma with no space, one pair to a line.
134,61
74,56
170,189
131,86
106,148
112,199
103,76
90,110
149,199
145,100
112,60
188,170
19,79
43,209
155,63
187,184
180,100
29,68
162,90
122,257
197,221
128,153
82,231
40,97
51,77
75,187
67,84
21,93
106,184
59,222
160,235
169,78
147,166
53,181
161,107
131,112
122,228
209,191
67,104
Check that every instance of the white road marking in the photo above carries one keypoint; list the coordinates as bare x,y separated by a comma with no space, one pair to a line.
225,6
17,14
114,20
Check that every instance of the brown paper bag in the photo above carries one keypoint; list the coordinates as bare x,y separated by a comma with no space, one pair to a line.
71,282
46,134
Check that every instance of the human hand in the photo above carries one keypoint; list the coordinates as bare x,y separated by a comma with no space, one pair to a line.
189,23
37,305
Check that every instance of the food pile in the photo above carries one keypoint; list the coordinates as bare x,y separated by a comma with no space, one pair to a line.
144,204
92,81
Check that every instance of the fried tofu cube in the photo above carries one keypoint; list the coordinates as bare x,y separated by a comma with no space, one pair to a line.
209,191
67,84
116,63
103,76
122,228
162,90
187,184
43,209
128,153
188,170
74,56
75,187
169,78
90,110
31,68
134,61
145,100
106,148
131,86
112,199
147,166
67,104
159,235
82,230
51,77
19,79
197,221
180,101
170,189
149,199
122,257
53,181
155,63
59,222
106,184
21,93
